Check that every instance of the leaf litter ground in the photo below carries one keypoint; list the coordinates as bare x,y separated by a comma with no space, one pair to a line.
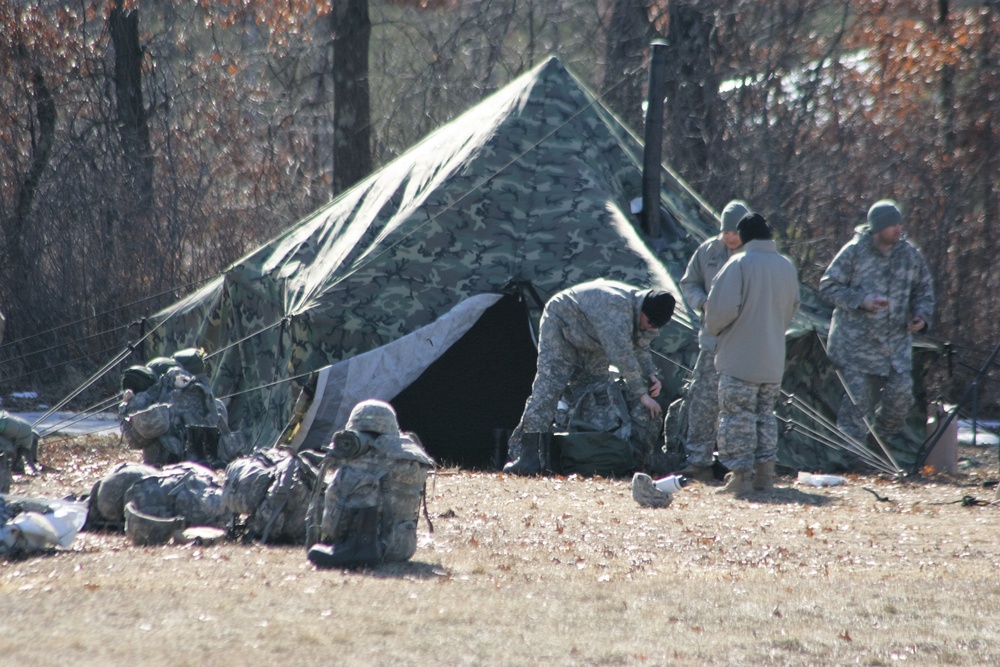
561,571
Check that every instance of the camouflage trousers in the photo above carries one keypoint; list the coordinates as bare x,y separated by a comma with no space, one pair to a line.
703,411
889,398
8,454
748,429
559,364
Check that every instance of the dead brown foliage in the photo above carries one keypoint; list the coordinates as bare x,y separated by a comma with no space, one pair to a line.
543,571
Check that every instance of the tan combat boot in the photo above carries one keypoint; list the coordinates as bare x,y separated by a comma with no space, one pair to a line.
737,483
763,478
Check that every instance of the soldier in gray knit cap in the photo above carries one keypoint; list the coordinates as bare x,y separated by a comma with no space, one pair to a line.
702,394
882,293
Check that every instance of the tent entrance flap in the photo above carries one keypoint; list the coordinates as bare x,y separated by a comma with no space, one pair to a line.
478,385
452,382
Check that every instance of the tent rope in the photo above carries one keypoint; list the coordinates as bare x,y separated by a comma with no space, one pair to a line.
21,341
837,439
854,402
121,356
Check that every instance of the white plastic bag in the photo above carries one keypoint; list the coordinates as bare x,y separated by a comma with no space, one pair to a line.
44,530
810,479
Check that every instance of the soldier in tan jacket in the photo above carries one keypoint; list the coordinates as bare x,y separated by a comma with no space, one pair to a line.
753,299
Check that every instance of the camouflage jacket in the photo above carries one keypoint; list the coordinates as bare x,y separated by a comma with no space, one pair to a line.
876,342
602,317
697,280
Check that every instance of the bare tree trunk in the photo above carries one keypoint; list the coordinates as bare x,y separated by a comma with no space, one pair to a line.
352,152
692,123
17,266
629,34
133,127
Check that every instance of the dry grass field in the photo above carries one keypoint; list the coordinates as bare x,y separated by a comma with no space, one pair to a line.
554,571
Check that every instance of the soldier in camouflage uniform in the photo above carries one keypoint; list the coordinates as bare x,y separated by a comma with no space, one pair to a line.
583,330
882,293
703,392
751,303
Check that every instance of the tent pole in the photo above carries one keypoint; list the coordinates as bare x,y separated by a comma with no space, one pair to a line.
653,139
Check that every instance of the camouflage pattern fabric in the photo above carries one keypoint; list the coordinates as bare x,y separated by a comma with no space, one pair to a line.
107,499
403,489
390,476
602,409
272,489
527,189
892,395
531,187
671,456
249,477
184,401
585,329
20,433
646,494
601,405
876,342
186,490
873,348
283,513
810,378
703,411
702,395
8,454
748,430
646,434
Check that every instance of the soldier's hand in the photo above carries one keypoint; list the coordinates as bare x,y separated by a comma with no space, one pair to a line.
654,386
651,405
874,302
916,324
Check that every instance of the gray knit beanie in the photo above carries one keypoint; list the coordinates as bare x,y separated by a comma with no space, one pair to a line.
731,215
884,213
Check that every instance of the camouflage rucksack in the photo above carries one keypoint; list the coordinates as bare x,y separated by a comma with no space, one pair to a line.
272,488
107,498
368,511
185,494
605,435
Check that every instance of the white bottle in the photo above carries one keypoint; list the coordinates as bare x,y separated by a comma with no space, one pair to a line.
671,484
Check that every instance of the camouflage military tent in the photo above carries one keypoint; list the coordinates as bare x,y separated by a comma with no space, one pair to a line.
421,284
471,231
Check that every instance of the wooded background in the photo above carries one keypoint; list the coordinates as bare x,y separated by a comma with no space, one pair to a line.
148,144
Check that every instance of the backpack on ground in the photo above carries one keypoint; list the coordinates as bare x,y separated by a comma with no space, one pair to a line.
366,512
180,495
272,488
